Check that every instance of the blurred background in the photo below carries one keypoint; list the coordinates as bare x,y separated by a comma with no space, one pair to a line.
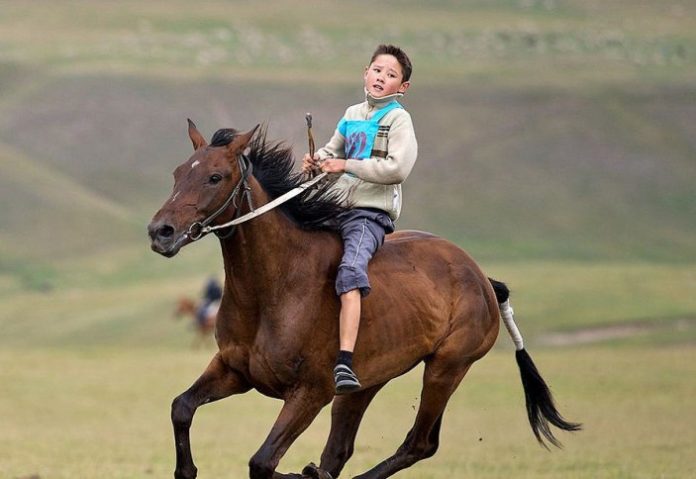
557,144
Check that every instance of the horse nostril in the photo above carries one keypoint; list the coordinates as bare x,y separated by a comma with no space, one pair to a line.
165,231
160,231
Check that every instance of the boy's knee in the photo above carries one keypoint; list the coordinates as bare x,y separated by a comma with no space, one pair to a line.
351,295
350,278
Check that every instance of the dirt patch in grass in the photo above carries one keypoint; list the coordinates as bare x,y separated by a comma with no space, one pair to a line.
611,332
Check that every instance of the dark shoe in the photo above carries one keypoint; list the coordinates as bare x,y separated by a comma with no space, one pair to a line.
346,380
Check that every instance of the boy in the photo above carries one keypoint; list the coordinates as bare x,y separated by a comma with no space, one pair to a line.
374,149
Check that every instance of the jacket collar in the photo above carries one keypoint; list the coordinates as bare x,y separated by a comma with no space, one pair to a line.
381,101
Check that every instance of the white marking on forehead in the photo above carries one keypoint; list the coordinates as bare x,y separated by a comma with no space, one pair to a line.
195,164
174,197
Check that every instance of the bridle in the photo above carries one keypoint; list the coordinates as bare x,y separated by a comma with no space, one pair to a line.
199,228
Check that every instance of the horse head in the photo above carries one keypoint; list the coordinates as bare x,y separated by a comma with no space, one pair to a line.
205,189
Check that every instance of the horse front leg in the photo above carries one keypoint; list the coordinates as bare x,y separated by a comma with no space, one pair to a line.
297,414
346,413
217,382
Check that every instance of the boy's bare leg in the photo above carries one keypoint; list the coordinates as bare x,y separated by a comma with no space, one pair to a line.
349,319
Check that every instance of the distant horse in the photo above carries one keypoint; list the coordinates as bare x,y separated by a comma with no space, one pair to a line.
204,326
277,329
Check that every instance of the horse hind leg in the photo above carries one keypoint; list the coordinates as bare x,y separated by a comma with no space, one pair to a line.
440,380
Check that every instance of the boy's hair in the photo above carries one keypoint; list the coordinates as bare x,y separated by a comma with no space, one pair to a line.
400,56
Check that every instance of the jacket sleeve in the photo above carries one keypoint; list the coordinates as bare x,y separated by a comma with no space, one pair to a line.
402,151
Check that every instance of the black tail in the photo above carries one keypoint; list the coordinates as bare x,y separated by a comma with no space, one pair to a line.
502,293
540,406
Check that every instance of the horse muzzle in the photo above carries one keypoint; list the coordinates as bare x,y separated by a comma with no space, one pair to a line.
165,239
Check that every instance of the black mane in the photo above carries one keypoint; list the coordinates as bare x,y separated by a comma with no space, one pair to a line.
273,164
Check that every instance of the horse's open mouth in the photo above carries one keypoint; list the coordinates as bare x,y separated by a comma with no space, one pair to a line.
167,252
169,249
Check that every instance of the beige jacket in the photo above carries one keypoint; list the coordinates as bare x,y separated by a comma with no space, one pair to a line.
375,182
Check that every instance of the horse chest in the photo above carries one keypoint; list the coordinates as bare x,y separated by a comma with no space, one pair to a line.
273,375
265,361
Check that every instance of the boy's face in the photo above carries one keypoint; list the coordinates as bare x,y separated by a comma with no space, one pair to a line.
384,77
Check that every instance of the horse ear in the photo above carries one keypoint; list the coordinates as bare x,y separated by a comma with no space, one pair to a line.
196,137
241,141
245,138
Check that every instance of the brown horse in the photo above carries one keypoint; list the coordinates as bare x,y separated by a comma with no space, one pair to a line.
277,328
205,327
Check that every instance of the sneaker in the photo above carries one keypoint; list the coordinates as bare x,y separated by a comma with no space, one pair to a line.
346,380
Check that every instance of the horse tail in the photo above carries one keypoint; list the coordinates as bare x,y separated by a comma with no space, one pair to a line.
541,409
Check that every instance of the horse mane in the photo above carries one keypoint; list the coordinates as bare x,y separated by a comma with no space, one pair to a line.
273,167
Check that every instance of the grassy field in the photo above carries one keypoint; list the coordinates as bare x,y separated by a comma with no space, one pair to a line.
105,414
89,371
119,302
556,144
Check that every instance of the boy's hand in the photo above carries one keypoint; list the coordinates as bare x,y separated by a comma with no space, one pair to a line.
333,165
310,164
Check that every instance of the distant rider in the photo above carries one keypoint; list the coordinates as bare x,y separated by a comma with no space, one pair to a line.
212,294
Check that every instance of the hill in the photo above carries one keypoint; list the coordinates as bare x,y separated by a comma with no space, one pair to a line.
507,173
554,130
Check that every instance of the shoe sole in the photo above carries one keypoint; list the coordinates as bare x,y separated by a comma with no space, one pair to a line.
346,388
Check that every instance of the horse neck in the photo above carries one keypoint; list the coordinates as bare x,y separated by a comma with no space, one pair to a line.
270,254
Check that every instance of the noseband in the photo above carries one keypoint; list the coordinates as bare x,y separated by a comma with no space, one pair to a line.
198,229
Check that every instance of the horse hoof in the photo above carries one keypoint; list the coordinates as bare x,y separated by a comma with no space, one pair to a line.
311,471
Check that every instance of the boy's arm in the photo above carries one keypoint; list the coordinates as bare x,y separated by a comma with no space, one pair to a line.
332,151
401,155
335,148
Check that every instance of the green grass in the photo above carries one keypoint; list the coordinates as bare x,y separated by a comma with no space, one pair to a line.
556,144
128,297
567,296
43,206
106,414
610,178
460,39
89,370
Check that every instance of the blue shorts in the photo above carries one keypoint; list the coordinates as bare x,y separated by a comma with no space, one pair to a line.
362,231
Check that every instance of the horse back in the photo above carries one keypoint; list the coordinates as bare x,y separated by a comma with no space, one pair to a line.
424,290
425,251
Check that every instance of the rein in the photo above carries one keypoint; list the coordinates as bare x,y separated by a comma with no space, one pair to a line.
200,228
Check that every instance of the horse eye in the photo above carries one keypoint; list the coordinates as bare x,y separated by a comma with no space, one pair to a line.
215,178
